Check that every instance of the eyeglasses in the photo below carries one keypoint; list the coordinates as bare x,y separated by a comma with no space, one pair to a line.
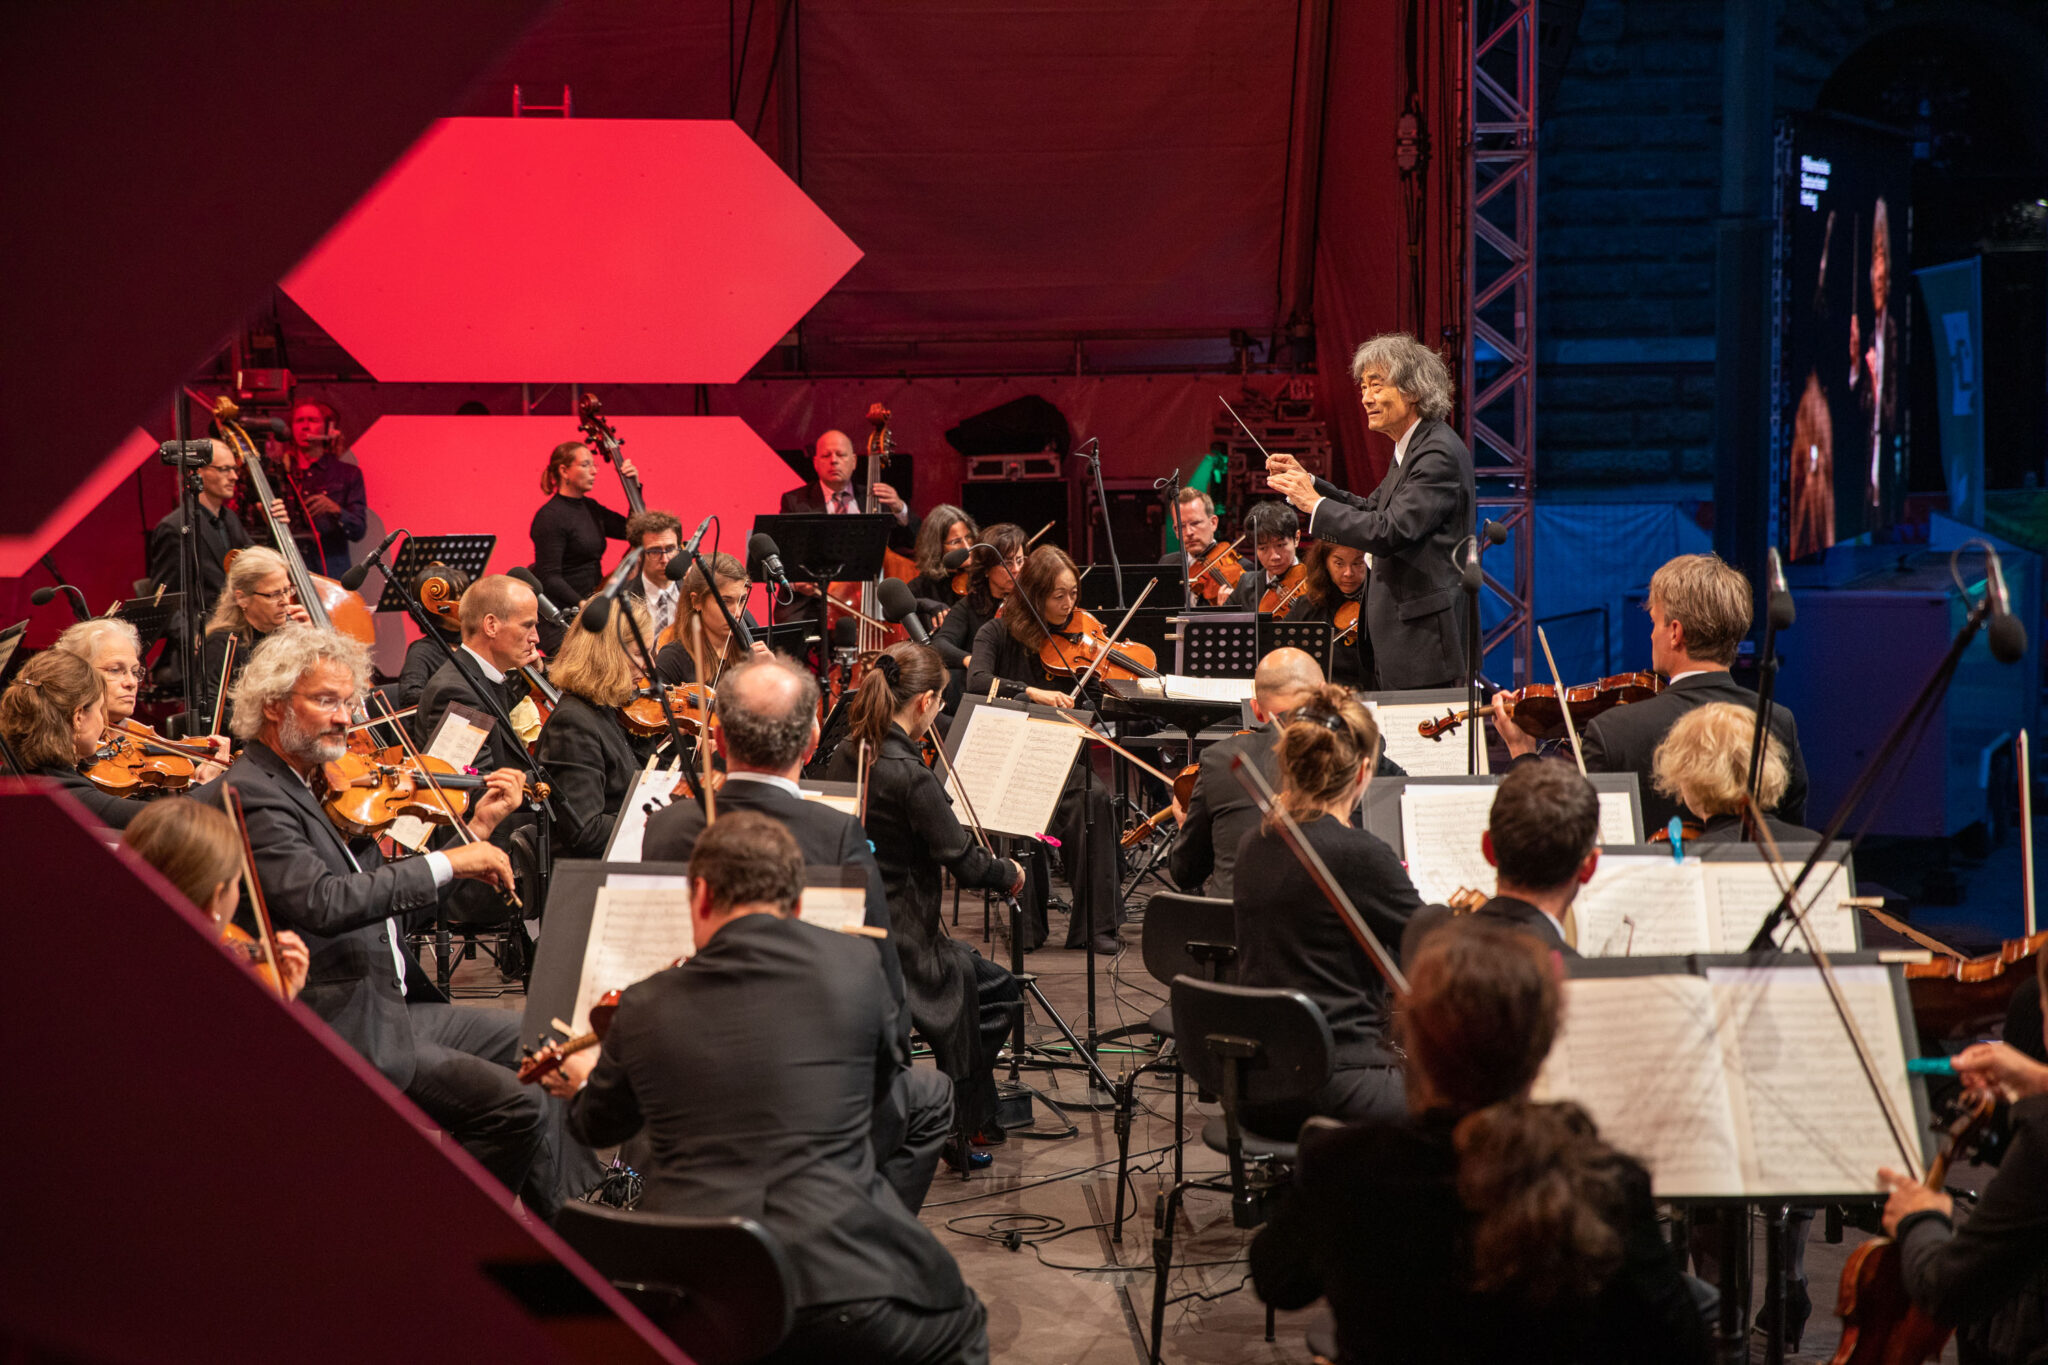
116,672
328,701
658,552
277,598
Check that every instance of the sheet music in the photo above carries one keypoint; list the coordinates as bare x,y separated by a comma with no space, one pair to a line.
1182,688
1014,768
651,790
1644,905
1741,894
638,926
458,738
1440,829
834,907
1401,735
1798,1089
1642,1055
1617,818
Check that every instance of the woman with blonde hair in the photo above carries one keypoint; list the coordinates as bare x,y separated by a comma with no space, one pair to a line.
52,716
703,645
198,851
1702,763
257,600
584,746
1287,934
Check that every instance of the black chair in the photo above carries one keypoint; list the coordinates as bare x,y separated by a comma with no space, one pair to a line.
718,1287
1192,935
1249,1045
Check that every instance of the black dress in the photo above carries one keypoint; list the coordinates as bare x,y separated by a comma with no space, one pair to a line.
1374,1224
1083,820
1350,665
934,593
587,753
568,546
110,810
959,1000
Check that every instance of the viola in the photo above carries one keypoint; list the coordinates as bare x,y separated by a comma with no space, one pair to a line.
1281,598
1536,708
1345,623
1073,649
134,758
1215,572
691,703
366,793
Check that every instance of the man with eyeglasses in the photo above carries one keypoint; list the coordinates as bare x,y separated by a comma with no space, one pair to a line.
660,538
216,529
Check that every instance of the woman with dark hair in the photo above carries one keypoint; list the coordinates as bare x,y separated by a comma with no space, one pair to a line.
1006,656
989,581
571,527
960,1001
52,716
1481,1226
1287,934
944,529
1336,576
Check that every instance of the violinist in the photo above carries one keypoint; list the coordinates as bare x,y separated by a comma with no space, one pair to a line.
1411,524
584,745
660,538
960,1001
257,600
112,646
1196,525
1274,530
1006,657
1478,1225
198,851
1699,610
991,574
945,528
293,707
1702,763
571,527
703,645
1336,587
423,657
329,488
52,716
500,636
1988,1277
1286,935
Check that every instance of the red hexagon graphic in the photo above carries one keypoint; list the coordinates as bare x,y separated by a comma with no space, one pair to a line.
481,476
596,250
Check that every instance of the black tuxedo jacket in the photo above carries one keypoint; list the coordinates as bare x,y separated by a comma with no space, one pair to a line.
216,536
1624,739
1411,524
1508,910
463,682
809,500
755,1068
315,889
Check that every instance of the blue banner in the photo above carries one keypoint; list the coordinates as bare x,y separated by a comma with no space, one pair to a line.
1954,295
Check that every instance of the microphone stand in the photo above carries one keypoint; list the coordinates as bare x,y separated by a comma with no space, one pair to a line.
1102,501
1171,483
188,563
1473,723
1766,683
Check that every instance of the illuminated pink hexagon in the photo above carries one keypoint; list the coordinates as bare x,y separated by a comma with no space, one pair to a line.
598,250
481,476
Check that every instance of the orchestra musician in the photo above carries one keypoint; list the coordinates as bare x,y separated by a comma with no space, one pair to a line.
975,608
1006,657
1274,530
703,645
500,636
767,730
1196,524
584,745
1702,763
292,707
944,529
1521,1235
1336,576
328,487
217,531
52,716
831,489
1410,527
660,538
962,1002
754,1069
112,646
571,527
255,602
199,852
1286,934
1699,608
423,657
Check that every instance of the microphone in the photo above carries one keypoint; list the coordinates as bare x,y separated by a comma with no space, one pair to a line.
273,426
2007,637
1468,563
900,608
598,610
1783,611
761,549
549,612
1495,534
79,610
356,573
956,560
679,564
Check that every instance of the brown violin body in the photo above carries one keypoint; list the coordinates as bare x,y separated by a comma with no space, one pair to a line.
367,792
1345,622
243,947
1962,997
539,1061
1215,572
1689,831
128,763
1183,793
691,703
1286,594
1074,648
1537,710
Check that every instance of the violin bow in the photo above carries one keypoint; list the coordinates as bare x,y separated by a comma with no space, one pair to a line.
227,672
1041,531
860,791
1564,701
1110,644
231,801
1114,747
455,818
1262,796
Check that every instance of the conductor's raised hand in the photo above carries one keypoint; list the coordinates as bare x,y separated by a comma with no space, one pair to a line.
482,862
1294,484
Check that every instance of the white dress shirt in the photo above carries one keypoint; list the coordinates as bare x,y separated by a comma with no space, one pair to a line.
1400,452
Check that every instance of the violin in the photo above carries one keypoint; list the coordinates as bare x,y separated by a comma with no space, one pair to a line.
1183,793
1689,831
691,703
1215,572
367,792
1536,709
1072,650
535,1063
1345,623
244,947
1955,997
1279,599
134,758
1880,1324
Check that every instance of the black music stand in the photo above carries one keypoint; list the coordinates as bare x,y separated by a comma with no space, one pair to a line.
469,554
152,617
1223,644
787,637
825,549
1098,584
1317,639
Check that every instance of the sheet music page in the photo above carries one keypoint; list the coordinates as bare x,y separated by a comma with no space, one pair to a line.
1014,768
1401,734
1196,689
1641,1054
1798,1090
1440,829
1643,905
652,789
1741,894
1617,819
845,805
457,739
834,907
636,930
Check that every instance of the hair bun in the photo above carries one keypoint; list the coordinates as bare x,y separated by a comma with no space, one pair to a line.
890,670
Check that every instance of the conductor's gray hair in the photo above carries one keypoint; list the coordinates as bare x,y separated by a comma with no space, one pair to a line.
283,657
1418,372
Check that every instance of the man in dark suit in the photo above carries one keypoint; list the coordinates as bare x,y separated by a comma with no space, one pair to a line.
768,728
1543,839
1699,611
755,1067
832,493
217,531
1221,811
350,906
1411,525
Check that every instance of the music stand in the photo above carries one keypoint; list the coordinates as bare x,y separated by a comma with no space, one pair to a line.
1099,588
152,617
827,549
1317,639
1219,644
787,637
468,554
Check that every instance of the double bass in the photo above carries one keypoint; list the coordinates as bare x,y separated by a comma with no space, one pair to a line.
862,600
598,433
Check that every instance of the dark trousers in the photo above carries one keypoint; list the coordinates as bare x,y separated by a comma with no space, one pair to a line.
887,1332
1351,1095
997,997
1086,829
465,1081
911,1126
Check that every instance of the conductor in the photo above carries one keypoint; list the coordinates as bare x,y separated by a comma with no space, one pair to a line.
1410,526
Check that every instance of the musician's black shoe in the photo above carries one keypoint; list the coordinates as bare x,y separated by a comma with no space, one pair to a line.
1108,945
990,1134
1798,1308
961,1158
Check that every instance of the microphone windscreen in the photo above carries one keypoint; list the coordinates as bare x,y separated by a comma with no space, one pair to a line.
1783,611
761,545
678,565
42,597
353,577
1471,575
1496,533
526,576
596,612
896,599
956,560
2008,638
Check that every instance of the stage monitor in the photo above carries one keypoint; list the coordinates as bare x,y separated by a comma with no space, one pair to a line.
1843,295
